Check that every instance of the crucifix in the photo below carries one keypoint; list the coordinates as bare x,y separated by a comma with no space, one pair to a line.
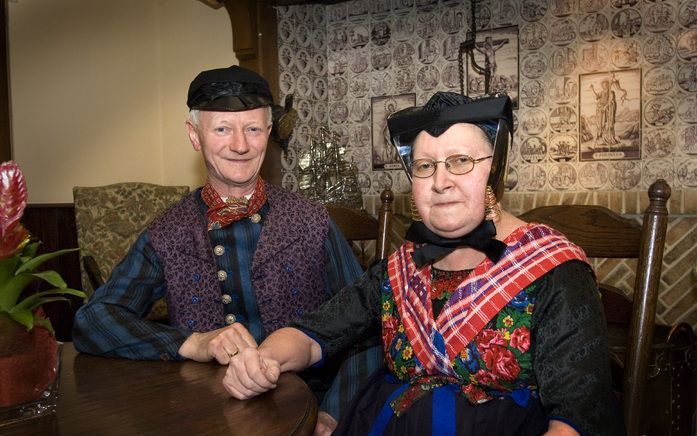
488,48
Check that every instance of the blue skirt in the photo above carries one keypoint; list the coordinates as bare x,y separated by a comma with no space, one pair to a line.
453,414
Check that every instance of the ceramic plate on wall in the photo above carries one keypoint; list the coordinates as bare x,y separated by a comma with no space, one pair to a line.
687,140
533,36
658,142
562,176
593,175
659,49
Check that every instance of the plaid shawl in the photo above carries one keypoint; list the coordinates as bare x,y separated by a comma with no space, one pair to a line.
531,252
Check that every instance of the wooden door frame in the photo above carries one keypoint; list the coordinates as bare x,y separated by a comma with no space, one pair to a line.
5,124
255,43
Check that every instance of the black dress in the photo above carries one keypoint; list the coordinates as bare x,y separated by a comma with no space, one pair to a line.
570,375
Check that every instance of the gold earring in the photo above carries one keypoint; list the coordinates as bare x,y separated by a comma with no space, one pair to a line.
492,211
415,215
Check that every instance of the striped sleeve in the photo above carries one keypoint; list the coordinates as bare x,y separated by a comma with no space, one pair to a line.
113,323
342,269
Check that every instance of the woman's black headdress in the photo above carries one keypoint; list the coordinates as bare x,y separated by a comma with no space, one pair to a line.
494,116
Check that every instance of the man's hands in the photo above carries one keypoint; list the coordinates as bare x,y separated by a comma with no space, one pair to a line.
250,374
221,344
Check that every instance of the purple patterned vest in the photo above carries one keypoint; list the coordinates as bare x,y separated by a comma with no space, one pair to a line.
289,260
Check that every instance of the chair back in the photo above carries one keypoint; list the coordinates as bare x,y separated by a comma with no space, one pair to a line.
604,234
359,227
109,219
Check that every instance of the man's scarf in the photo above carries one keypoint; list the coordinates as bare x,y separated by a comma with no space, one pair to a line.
223,213
531,252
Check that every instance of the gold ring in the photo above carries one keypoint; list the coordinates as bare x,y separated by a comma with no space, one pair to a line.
231,355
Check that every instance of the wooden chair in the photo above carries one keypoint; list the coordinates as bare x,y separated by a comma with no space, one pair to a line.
360,226
109,219
605,234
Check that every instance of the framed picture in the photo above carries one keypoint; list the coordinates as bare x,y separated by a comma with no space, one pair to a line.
610,115
384,154
497,49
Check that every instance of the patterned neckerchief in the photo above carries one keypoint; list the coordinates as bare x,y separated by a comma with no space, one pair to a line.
223,213
443,282
531,252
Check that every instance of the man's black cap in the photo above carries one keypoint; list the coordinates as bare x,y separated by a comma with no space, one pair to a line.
228,90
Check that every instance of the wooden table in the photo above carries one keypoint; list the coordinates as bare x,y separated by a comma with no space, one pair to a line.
108,396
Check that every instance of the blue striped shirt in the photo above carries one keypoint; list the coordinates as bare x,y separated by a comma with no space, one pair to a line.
113,322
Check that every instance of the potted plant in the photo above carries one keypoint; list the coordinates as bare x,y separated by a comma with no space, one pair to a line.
29,352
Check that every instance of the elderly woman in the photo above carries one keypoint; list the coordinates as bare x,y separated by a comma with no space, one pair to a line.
490,325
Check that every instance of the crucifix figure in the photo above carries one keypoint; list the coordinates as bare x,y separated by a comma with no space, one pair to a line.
488,48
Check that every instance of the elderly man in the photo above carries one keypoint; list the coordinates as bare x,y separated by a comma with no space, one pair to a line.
235,260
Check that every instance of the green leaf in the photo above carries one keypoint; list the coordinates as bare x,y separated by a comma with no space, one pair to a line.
52,277
45,323
11,290
35,300
525,364
7,269
36,303
24,317
32,264
31,249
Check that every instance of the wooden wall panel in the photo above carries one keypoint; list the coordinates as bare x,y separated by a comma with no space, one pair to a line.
54,226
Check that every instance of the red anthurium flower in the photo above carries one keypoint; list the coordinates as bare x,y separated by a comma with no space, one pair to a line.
13,200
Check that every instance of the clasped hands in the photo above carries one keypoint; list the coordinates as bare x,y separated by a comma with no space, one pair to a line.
249,373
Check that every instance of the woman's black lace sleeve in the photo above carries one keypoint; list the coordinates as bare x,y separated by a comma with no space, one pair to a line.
571,357
353,314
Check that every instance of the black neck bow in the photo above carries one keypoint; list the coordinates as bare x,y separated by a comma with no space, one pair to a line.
481,238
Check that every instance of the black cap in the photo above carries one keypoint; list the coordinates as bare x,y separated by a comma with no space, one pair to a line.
228,90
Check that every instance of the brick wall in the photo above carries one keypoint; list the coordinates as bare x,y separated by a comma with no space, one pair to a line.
677,300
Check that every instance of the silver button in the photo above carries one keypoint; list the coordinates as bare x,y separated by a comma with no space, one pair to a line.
219,250
230,319
222,275
255,218
227,299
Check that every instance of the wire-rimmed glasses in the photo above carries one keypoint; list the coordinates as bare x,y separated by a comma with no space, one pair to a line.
457,164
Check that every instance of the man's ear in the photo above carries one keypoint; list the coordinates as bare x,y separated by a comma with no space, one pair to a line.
193,135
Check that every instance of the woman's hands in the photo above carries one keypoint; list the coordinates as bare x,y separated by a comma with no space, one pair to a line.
325,424
558,428
250,374
253,370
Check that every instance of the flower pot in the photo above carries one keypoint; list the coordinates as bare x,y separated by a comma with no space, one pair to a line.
28,372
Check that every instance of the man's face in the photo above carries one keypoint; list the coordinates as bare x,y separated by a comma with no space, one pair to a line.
233,145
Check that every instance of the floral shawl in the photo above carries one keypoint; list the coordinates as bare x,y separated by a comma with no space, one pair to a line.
531,252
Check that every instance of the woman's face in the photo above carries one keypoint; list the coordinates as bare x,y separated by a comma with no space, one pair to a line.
452,205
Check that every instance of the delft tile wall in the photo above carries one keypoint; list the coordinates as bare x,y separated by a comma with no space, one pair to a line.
335,58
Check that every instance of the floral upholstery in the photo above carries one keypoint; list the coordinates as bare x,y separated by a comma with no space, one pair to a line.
110,218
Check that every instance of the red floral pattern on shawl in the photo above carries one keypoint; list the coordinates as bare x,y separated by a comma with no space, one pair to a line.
531,252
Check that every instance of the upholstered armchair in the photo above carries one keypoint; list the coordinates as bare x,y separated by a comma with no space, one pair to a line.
109,219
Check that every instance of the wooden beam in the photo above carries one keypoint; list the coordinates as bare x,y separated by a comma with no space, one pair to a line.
255,43
5,123
215,4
